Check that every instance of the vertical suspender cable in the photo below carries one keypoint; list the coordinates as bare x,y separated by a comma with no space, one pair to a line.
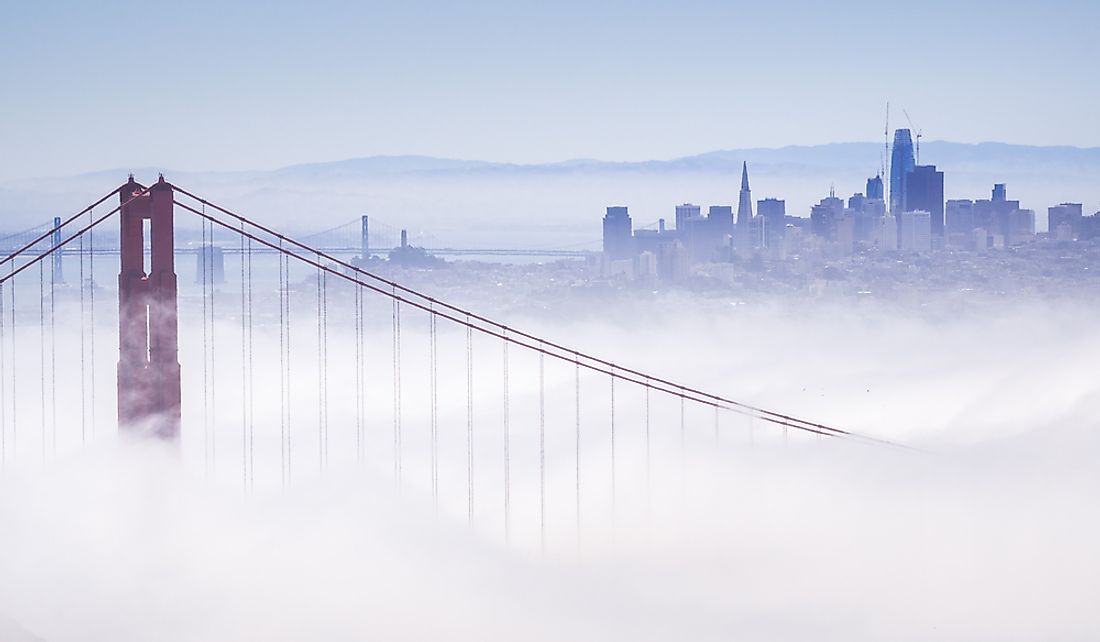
204,260
91,323
393,382
397,383
648,459
14,354
716,426
613,496
469,422
286,386
42,351
251,383
53,355
577,437
324,359
363,364
362,368
83,350
320,379
282,370
507,443
244,369
542,449
683,425
213,336
3,388
358,297
396,320
434,380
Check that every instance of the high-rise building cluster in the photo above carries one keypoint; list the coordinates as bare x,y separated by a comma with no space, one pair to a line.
718,236
907,215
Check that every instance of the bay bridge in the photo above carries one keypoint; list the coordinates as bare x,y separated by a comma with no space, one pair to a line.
349,238
302,362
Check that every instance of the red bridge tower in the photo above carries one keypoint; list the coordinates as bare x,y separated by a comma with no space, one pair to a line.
148,361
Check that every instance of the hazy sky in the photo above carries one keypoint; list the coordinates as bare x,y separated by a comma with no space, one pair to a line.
214,85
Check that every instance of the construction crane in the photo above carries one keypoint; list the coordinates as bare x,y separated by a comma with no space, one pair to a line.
886,144
916,132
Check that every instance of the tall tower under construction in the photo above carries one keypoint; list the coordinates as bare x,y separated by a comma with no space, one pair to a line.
901,163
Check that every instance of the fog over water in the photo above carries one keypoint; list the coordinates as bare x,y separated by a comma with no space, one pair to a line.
530,457
986,532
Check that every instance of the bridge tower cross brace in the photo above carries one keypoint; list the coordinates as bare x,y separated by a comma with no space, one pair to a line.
148,361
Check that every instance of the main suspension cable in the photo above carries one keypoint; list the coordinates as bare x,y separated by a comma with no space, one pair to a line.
669,386
41,256
552,349
50,233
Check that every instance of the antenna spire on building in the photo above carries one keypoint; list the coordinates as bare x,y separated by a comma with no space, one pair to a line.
743,239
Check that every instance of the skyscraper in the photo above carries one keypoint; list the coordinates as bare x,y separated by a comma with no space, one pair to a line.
721,224
617,234
743,235
901,163
825,215
924,191
1068,214
874,188
684,212
999,216
915,232
774,213
958,224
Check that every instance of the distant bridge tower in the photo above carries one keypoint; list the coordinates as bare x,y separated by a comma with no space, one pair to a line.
148,364
58,275
365,252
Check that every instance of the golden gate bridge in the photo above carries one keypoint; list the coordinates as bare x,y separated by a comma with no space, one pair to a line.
406,365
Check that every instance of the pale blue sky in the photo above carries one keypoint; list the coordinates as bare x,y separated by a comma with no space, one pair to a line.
254,85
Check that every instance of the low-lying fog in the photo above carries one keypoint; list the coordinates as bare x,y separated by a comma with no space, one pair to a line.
732,530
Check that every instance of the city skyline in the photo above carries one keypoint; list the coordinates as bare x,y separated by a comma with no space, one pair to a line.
498,320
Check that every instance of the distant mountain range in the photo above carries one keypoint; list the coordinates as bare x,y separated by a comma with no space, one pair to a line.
473,202
865,155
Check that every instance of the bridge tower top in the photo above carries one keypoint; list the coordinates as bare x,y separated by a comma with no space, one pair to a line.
148,364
